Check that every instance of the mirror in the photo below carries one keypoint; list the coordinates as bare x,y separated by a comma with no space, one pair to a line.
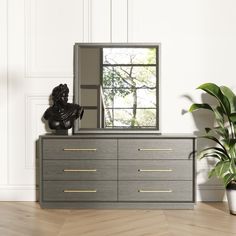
118,86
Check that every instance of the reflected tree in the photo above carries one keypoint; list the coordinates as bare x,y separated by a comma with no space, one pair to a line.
124,79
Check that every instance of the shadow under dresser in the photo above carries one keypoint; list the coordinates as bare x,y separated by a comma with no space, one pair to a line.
117,171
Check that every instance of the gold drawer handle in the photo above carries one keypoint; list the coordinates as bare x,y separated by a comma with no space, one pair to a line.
160,170
79,170
155,149
155,191
80,149
80,191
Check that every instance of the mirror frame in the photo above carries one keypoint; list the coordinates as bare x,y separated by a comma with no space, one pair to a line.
77,93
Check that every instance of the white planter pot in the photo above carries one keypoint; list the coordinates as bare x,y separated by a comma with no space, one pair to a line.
231,196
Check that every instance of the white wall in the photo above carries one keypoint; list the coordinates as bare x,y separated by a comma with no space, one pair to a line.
197,45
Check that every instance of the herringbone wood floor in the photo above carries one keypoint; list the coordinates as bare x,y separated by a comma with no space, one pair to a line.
27,219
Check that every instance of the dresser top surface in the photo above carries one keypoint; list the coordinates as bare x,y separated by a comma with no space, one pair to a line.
122,136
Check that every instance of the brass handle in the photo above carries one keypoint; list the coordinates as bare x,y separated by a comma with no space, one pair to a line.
80,149
79,190
155,149
155,191
79,170
160,170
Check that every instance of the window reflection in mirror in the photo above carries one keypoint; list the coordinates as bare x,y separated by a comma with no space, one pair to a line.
129,87
118,86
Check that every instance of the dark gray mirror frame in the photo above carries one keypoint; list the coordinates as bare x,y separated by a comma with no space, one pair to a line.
77,85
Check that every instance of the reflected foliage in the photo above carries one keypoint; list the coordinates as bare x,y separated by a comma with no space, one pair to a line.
129,87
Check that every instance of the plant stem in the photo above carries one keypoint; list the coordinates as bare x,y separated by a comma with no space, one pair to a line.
232,130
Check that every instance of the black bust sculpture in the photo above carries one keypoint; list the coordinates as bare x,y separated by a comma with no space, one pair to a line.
61,115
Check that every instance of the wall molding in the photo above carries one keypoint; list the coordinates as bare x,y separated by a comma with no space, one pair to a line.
4,92
32,103
119,21
33,69
87,18
118,33
130,16
100,21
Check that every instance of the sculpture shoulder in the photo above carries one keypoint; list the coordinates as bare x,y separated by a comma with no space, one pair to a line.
73,108
48,113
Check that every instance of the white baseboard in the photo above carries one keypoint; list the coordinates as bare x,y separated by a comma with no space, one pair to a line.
211,193
211,196
18,193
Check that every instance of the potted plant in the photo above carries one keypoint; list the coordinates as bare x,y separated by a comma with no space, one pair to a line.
224,135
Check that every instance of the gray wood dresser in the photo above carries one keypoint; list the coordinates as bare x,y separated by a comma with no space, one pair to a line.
117,171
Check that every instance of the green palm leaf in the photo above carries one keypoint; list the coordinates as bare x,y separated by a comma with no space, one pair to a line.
221,168
215,91
214,139
215,149
232,117
231,97
197,106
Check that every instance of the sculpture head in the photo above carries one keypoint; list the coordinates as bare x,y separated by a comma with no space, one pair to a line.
60,94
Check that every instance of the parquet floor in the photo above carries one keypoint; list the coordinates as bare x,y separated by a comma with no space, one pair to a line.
27,219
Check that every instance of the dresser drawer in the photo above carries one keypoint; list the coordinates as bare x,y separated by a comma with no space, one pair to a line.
155,148
79,149
164,191
80,169
155,169
79,190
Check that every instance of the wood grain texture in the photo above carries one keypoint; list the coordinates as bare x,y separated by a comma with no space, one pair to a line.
104,191
165,191
117,162
103,170
27,219
105,149
145,149
155,169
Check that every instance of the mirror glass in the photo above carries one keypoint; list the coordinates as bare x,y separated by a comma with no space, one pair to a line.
117,84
